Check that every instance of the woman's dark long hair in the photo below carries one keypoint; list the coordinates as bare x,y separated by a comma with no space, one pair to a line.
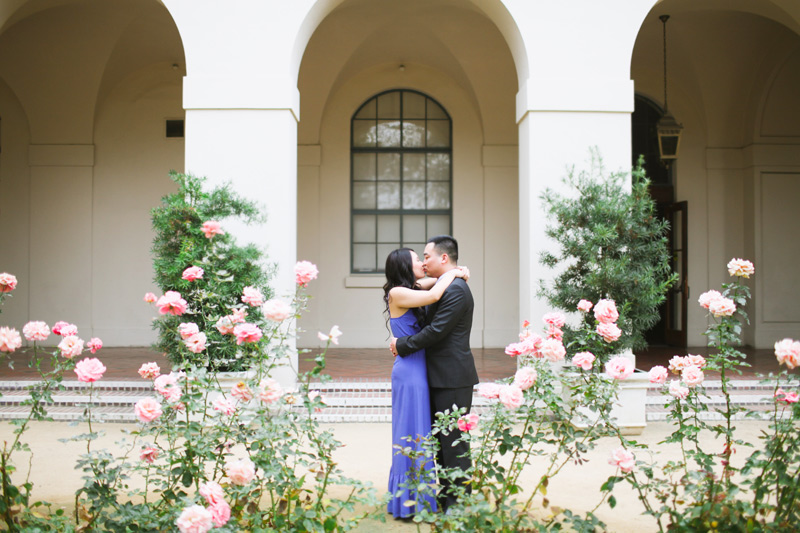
400,273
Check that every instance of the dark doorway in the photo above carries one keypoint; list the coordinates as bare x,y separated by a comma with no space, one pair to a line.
671,327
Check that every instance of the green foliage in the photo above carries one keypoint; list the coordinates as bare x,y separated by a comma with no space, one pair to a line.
611,245
180,243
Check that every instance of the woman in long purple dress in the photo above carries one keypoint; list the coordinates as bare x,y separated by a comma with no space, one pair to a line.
405,294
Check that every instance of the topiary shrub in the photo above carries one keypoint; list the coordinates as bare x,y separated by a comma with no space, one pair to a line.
180,243
611,245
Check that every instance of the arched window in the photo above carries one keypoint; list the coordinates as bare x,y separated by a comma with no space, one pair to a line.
400,176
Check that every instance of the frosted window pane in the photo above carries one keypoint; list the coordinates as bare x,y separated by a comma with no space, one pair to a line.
418,247
368,111
438,225
389,167
364,228
414,228
364,167
438,195
413,105
389,195
434,111
389,105
364,133
414,134
363,257
439,167
413,167
388,133
388,228
438,133
413,195
383,253
363,195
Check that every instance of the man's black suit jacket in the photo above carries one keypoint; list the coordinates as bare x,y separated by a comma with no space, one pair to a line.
445,338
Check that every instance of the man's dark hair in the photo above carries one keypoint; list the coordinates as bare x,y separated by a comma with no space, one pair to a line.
445,244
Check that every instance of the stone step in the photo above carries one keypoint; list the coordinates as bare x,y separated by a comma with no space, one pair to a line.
347,401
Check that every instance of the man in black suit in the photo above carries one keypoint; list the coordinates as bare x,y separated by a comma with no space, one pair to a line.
451,367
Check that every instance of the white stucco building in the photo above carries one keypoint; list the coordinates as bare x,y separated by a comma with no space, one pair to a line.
497,98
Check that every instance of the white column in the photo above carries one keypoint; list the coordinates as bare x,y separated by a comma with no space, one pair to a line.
250,140
559,122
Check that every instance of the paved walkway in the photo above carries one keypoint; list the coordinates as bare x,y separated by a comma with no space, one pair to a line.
374,364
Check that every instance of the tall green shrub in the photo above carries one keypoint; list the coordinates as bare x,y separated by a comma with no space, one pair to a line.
180,243
610,245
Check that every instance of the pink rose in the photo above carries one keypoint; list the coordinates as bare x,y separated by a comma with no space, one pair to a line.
697,360
94,344
619,368
196,343
270,391
149,370
212,492
691,375
741,268
525,324
212,228
167,386
511,396
70,346
468,422
658,374
786,397
583,360
247,333
195,519
193,273
8,282
489,390
147,409
678,363
252,296
333,336
187,329
722,307
171,303
608,330
787,352
9,340
553,350
148,454
622,459
240,472
585,306
525,377
224,325
68,330
304,272
514,349
677,390
89,370
36,331
224,405
220,513
707,297
554,332
150,297
238,316
554,319
277,310
58,325
242,392
605,311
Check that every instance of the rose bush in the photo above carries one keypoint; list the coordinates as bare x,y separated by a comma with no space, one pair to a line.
247,458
